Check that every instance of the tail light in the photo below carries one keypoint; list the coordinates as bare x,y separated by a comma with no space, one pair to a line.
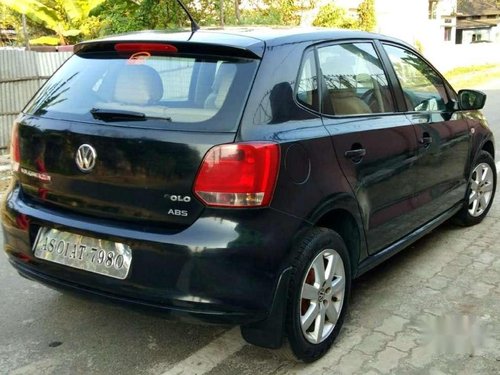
238,175
15,152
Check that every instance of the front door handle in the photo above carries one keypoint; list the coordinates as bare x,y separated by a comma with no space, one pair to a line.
426,140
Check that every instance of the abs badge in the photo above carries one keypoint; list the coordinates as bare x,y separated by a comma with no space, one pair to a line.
85,158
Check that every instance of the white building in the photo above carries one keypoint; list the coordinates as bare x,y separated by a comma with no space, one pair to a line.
426,22
478,21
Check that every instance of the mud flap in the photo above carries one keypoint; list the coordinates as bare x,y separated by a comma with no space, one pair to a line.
269,333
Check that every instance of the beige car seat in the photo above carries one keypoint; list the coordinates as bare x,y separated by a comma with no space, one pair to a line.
138,85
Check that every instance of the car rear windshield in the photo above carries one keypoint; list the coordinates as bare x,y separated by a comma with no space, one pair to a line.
144,90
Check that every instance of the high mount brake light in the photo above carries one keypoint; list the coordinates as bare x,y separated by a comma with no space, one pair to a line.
148,47
238,175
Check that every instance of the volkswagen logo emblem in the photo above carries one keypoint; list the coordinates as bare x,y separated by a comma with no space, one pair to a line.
85,157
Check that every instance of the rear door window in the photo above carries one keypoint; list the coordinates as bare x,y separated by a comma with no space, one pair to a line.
307,84
180,92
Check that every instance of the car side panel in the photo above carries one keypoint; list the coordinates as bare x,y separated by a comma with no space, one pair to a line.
480,133
310,182
382,180
441,165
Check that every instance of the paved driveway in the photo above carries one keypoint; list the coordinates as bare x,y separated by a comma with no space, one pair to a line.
432,309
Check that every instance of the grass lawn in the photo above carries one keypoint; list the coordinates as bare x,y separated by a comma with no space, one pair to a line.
472,76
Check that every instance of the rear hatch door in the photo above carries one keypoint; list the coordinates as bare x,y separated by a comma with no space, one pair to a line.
120,130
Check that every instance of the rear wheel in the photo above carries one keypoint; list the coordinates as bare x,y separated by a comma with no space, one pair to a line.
318,295
480,191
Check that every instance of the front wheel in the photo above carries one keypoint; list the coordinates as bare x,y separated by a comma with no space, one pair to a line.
480,191
319,291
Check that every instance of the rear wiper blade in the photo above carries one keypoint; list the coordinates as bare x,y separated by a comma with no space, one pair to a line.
117,114
122,115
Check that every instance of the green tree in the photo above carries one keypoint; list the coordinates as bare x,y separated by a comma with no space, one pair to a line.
8,19
333,16
366,15
10,26
67,19
284,12
119,16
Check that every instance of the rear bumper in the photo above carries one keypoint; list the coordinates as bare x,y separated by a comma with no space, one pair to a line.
225,268
188,314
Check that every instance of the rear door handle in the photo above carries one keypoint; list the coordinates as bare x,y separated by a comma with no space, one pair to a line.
425,140
355,155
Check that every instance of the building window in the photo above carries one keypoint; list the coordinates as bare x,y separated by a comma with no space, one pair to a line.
447,34
448,20
476,37
432,9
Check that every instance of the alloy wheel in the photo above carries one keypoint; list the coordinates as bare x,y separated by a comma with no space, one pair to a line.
481,189
322,296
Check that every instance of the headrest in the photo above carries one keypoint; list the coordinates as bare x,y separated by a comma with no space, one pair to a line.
220,88
224,76
138,84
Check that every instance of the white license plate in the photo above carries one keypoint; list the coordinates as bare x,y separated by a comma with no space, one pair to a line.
86,253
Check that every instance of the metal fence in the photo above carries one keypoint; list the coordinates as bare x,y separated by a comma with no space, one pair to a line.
21,75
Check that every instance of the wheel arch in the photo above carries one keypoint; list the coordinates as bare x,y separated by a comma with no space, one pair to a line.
341,214
489,148
483,142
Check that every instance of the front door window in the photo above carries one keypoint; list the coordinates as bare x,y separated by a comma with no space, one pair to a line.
423,88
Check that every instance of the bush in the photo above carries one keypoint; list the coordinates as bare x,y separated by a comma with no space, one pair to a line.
366,15
333,16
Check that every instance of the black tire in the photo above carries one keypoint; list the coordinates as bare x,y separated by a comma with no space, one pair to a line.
322,245
464,217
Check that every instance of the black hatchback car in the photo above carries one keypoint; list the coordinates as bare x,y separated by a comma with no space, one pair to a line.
240,177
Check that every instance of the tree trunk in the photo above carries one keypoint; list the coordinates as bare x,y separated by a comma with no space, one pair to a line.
25,32
237,11
221,4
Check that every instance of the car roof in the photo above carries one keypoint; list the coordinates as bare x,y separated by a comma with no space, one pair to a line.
283,35
249,38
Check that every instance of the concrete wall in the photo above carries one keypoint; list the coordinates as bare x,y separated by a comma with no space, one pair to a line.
406,20
449,56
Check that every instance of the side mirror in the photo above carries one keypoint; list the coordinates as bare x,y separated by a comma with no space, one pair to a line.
471,99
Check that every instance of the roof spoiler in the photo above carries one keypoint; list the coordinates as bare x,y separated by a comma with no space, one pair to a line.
181,46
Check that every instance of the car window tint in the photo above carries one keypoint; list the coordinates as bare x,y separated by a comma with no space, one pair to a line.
423,89
175,74
353,80
178,92
307,85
